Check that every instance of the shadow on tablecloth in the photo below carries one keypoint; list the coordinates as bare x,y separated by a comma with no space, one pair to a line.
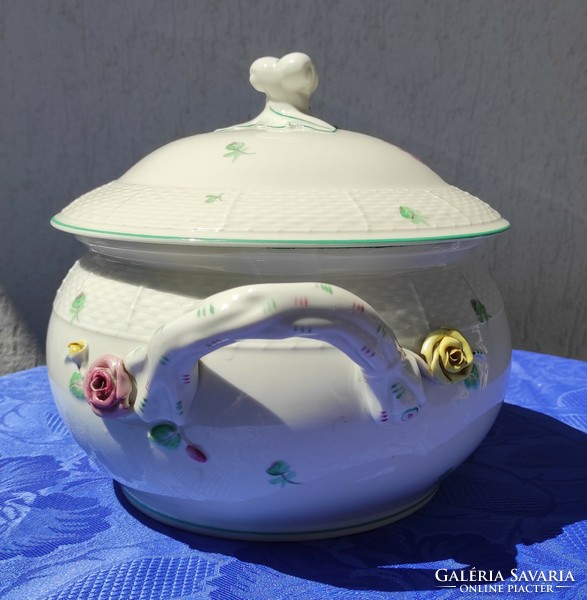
525,483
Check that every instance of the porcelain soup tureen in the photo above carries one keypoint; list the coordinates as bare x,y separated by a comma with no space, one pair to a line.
281,330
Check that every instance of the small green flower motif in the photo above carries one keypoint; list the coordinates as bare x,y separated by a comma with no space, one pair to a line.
409,213
76,386
480,310
236,149
165,435
77,304
211,198
281,473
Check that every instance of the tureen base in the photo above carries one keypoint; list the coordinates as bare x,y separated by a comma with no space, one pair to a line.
160,507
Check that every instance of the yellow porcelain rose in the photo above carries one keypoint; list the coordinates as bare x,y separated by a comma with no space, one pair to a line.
448,355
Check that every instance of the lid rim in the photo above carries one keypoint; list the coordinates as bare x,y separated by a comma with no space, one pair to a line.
245,242
371,216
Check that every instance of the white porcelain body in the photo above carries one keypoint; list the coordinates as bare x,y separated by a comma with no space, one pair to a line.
279,442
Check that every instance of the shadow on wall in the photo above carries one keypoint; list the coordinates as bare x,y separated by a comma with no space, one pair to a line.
27,289
19,349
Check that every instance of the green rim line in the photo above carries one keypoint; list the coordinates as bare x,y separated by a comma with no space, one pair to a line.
408,509
341,242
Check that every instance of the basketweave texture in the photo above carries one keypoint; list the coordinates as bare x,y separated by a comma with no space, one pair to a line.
122,209
115,299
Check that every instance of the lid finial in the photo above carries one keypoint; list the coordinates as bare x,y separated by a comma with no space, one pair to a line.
288,83
291,79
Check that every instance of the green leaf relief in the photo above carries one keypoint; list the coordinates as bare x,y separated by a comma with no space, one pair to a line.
211,198
236,149
76,385
165,435
412,215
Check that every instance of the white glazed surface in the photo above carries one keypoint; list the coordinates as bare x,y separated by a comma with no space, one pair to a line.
288,444
269,324
284,178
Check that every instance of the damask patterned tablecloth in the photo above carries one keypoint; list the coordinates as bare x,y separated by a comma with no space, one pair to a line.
514,513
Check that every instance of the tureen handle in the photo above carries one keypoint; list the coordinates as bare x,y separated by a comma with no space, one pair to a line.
165,370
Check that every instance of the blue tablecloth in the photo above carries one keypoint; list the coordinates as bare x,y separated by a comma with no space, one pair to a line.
515,513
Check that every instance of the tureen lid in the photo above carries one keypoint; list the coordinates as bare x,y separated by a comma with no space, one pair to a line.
285,178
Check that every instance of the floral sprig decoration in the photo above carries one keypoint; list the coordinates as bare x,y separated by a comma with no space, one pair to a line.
281,473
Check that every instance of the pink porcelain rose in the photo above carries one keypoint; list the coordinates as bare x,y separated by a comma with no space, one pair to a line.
108,387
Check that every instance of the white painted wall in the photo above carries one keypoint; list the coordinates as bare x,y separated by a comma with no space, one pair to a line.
492,95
